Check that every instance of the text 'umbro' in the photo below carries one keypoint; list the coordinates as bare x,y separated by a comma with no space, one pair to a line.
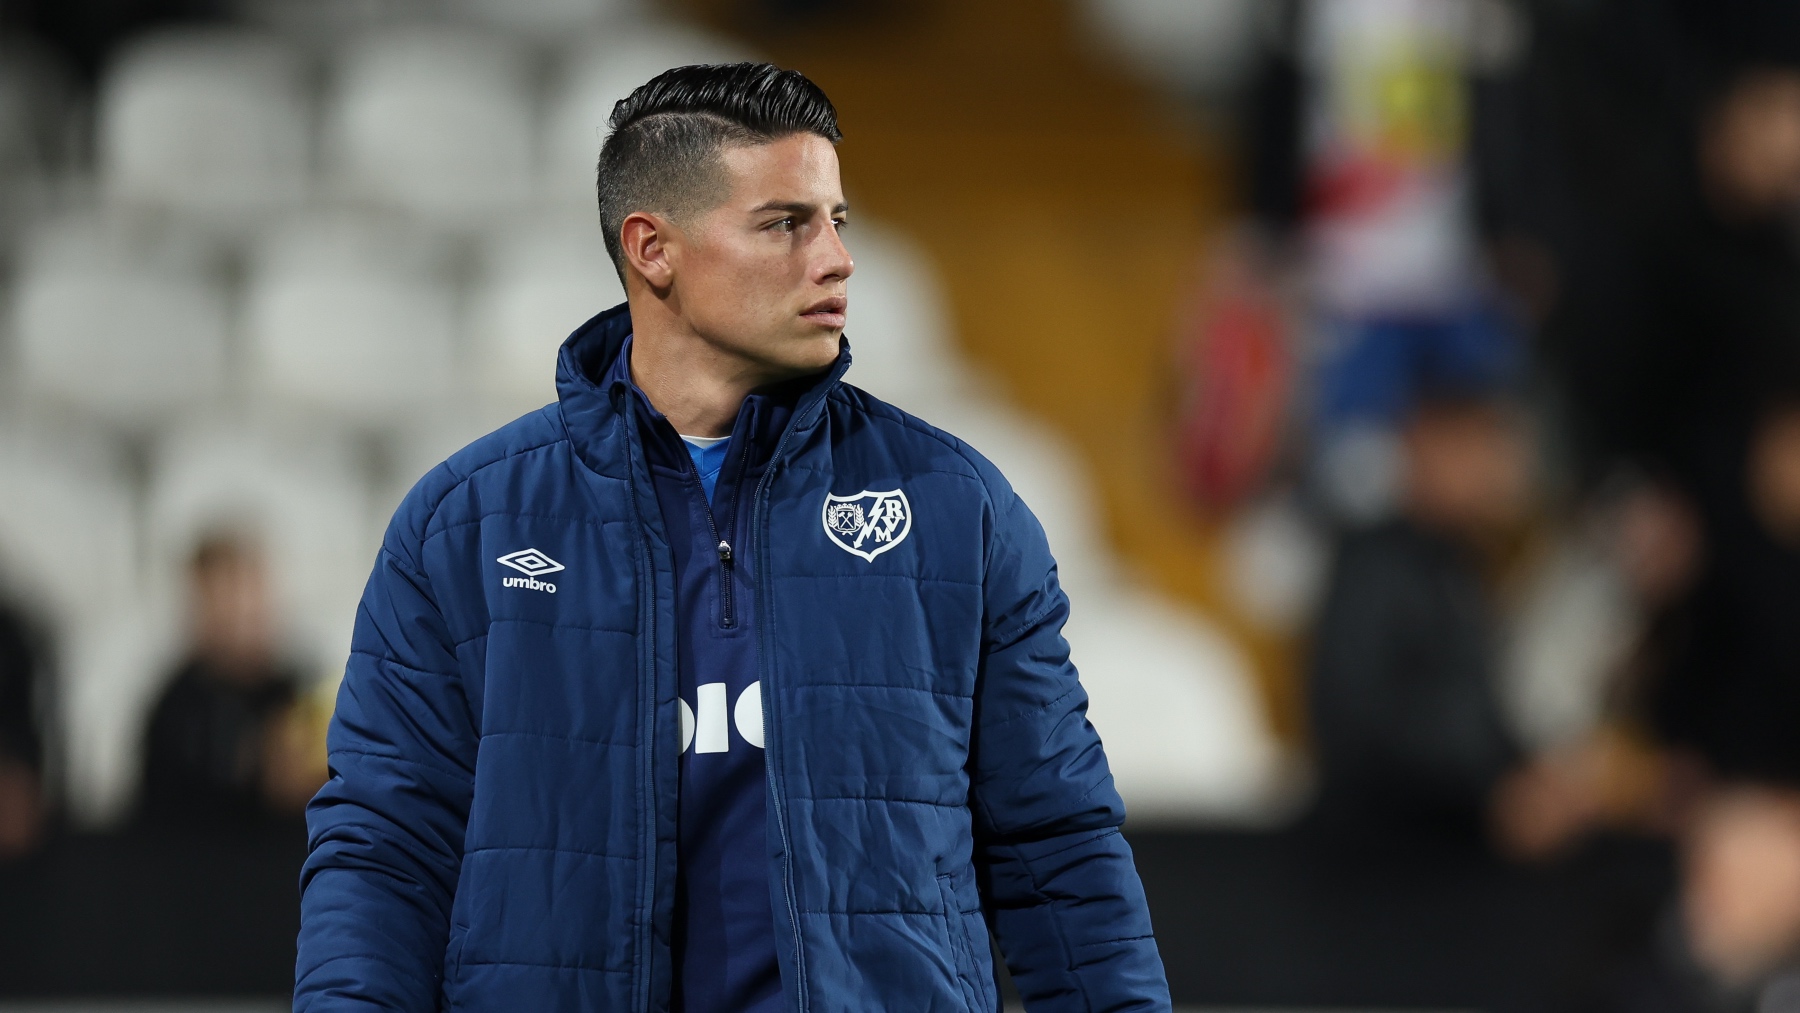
534,564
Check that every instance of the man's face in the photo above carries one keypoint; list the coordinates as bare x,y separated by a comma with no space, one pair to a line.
762,276
1468,467
1751,149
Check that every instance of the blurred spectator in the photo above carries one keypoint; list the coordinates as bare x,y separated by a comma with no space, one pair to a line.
1731,693
1741,896
21,743
1597,621
1680,272
1405,714
228,743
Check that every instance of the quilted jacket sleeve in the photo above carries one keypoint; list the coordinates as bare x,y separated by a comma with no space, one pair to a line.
386,831
1056,875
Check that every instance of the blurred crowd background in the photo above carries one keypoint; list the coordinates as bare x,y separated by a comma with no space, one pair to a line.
1410,389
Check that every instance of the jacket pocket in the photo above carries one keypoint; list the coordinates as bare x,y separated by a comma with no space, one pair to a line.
973,974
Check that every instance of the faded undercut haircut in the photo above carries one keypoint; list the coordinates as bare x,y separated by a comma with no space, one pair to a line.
662,152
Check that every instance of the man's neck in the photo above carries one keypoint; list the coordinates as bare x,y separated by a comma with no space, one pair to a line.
694,383
699,395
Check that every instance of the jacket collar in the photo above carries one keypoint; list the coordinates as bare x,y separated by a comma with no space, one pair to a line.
593,396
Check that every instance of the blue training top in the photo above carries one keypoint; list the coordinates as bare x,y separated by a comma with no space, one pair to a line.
709,458
724,932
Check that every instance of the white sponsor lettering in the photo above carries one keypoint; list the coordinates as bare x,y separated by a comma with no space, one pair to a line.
705,727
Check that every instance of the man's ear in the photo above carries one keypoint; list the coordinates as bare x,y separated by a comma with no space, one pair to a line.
644,238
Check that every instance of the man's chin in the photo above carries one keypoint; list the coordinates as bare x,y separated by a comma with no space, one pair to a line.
805,355
820,348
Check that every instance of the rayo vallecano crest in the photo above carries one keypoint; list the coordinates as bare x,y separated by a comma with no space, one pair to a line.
868,523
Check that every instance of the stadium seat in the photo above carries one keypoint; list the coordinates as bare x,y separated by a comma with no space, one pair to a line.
205,120
120,317
351,315
540,279
434,120
596,75
298,490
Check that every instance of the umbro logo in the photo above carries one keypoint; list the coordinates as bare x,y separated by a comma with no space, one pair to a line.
533,564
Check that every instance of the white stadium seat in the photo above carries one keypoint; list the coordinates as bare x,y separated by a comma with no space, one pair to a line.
119,317
434,120
596,76
210,120
351,315
540,280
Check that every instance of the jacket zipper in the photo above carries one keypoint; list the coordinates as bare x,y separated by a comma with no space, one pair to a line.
757,519
727,559
648,884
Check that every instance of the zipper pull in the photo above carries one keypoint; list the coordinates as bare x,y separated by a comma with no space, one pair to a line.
725,552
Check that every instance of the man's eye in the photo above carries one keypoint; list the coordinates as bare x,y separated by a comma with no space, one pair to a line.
785,224
841,223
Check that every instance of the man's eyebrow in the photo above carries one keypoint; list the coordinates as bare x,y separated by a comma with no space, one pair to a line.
796,207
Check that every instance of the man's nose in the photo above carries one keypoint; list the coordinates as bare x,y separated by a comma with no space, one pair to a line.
835,262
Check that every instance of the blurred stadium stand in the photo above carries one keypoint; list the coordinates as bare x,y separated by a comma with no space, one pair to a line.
291,262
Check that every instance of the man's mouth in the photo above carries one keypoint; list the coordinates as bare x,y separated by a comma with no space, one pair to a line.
828,313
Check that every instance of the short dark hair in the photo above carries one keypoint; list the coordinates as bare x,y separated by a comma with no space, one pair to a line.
222,547
662,153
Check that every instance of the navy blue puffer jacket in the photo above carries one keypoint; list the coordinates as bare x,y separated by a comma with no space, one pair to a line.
499,829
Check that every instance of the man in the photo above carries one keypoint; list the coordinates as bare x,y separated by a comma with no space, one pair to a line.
1410,735
221,751
717,685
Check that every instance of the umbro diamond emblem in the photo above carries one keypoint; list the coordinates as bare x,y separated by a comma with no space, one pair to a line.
533,564
868,523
